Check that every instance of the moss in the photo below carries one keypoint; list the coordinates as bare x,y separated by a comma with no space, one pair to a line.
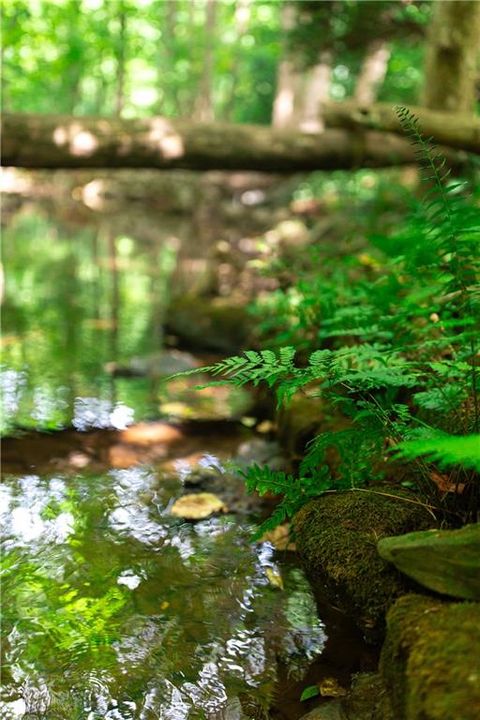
337,539
430,661
367,699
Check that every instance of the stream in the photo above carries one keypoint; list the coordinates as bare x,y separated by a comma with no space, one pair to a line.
112,606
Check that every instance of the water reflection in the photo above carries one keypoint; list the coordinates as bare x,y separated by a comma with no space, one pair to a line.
115,609
85,305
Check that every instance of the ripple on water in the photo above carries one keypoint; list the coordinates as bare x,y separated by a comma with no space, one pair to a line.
114,609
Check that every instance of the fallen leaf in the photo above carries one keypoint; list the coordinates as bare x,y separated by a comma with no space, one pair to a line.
330,687
445,485
274,578
197,506
279,537
265,426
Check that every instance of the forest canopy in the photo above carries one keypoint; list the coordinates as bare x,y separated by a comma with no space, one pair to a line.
137,58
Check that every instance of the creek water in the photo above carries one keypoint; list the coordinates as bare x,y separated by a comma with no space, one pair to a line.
113,608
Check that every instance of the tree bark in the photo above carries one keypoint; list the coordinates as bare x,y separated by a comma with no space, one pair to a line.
316,94
454,130
372,73
204,111
52,141
120,89
452,56
283,111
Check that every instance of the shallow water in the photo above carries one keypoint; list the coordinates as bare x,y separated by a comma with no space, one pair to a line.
112,607
116,609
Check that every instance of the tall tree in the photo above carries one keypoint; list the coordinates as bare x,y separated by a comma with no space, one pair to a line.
316,93
372,72
451,67
204,110
287,78
121,57
242,16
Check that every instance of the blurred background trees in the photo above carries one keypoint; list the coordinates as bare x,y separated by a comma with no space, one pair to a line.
232,60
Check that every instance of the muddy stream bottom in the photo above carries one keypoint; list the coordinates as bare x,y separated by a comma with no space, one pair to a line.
114,608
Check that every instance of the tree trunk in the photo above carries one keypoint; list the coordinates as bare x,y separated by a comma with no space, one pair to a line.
120,89
372,73
242,19
451,129
204,111
316,94
451,65
50,141
283,112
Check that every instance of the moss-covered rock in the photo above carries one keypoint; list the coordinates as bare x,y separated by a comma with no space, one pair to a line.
447,561
367,699
337,536
208,323
430,661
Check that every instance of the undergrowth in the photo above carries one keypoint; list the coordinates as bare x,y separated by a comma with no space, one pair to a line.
389,340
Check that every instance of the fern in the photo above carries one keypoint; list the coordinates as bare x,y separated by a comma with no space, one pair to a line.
295,491
392,349
445,450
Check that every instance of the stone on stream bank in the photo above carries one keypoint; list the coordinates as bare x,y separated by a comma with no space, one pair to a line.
336,536
203,323
430,661
429,667
447,561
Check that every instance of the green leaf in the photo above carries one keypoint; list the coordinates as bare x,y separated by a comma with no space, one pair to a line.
309,692
444,449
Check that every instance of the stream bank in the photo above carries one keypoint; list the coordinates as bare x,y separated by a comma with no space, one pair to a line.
114,607
429,667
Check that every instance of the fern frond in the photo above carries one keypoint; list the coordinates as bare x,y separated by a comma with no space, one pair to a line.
443,449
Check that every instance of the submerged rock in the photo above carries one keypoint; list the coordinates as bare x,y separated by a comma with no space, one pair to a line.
336,536
160,364
430,661
197,506
208,323
447,561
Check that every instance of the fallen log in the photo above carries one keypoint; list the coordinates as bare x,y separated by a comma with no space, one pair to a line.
460,131
52,141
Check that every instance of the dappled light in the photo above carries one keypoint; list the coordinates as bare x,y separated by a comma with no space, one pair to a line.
78,141
163,136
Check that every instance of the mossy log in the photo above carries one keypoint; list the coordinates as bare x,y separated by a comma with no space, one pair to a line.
55,141
456,130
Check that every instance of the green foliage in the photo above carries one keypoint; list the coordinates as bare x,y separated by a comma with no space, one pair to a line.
445,450
309,692
388,340
137,58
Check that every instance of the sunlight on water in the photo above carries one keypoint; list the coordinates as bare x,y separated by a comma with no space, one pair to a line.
116,610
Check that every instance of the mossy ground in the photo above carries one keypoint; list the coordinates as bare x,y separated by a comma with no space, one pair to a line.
431,661
337,537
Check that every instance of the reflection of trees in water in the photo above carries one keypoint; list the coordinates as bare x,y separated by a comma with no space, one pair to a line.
198,625
92,261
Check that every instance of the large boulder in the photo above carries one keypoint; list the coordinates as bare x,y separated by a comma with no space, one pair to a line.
447,561
336,536
430,660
